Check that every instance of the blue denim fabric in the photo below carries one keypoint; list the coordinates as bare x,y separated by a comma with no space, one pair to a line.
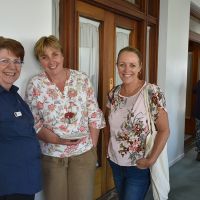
197,123
131,183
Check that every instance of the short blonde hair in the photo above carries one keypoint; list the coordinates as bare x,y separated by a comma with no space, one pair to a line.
46,41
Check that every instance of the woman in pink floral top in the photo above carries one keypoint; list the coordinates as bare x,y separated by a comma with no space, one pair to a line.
128,120
67,120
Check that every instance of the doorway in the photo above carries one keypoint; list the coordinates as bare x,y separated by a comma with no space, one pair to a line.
192,78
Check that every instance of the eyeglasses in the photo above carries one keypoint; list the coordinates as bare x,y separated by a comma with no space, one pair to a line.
5,62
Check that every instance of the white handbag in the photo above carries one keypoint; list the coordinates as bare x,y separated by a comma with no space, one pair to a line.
160,169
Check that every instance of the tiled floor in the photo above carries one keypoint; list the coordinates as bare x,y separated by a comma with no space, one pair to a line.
110,196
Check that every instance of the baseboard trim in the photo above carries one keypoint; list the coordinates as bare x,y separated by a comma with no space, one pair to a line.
176,160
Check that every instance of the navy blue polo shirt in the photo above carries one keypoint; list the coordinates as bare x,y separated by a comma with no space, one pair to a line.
20,168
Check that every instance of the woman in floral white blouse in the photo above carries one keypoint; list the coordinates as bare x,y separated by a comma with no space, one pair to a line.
129,128
67,120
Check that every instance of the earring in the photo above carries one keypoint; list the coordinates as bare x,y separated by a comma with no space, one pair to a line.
139,74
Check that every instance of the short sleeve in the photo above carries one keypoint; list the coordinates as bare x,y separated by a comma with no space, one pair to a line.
157,100
32,92
95,115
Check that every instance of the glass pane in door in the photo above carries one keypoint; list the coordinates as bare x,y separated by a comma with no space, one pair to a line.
122,40
89,57
135,2
89,50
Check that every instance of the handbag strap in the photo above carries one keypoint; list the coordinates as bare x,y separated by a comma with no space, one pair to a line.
151,136
111,94
148,108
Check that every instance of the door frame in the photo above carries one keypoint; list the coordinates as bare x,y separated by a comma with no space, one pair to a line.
144,13
193,46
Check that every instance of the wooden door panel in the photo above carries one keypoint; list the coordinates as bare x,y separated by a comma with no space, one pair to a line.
107,29
89,11
106,46
108,63
126,23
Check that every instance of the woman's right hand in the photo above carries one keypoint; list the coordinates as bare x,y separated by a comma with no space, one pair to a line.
48,136
69,142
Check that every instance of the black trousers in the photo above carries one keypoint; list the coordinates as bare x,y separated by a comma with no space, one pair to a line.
17,197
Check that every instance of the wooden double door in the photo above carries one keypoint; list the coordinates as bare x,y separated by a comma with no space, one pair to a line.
109,23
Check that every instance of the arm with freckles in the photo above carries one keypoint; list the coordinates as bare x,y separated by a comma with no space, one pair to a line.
95,115
95,132
48,136
94,135
162,125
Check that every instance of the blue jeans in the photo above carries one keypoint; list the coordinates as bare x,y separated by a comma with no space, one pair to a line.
131,182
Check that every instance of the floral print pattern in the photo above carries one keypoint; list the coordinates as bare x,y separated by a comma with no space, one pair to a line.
118,101
67,114
129,125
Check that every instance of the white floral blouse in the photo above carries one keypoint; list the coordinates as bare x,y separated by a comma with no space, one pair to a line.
68,114
129,125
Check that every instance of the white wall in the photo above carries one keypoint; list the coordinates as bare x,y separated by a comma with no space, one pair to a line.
26,21
172,68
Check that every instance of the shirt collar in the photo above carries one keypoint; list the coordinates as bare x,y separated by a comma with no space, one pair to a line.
13,89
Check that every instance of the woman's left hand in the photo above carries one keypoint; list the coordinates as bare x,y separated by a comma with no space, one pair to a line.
143,163
94,133
70,142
